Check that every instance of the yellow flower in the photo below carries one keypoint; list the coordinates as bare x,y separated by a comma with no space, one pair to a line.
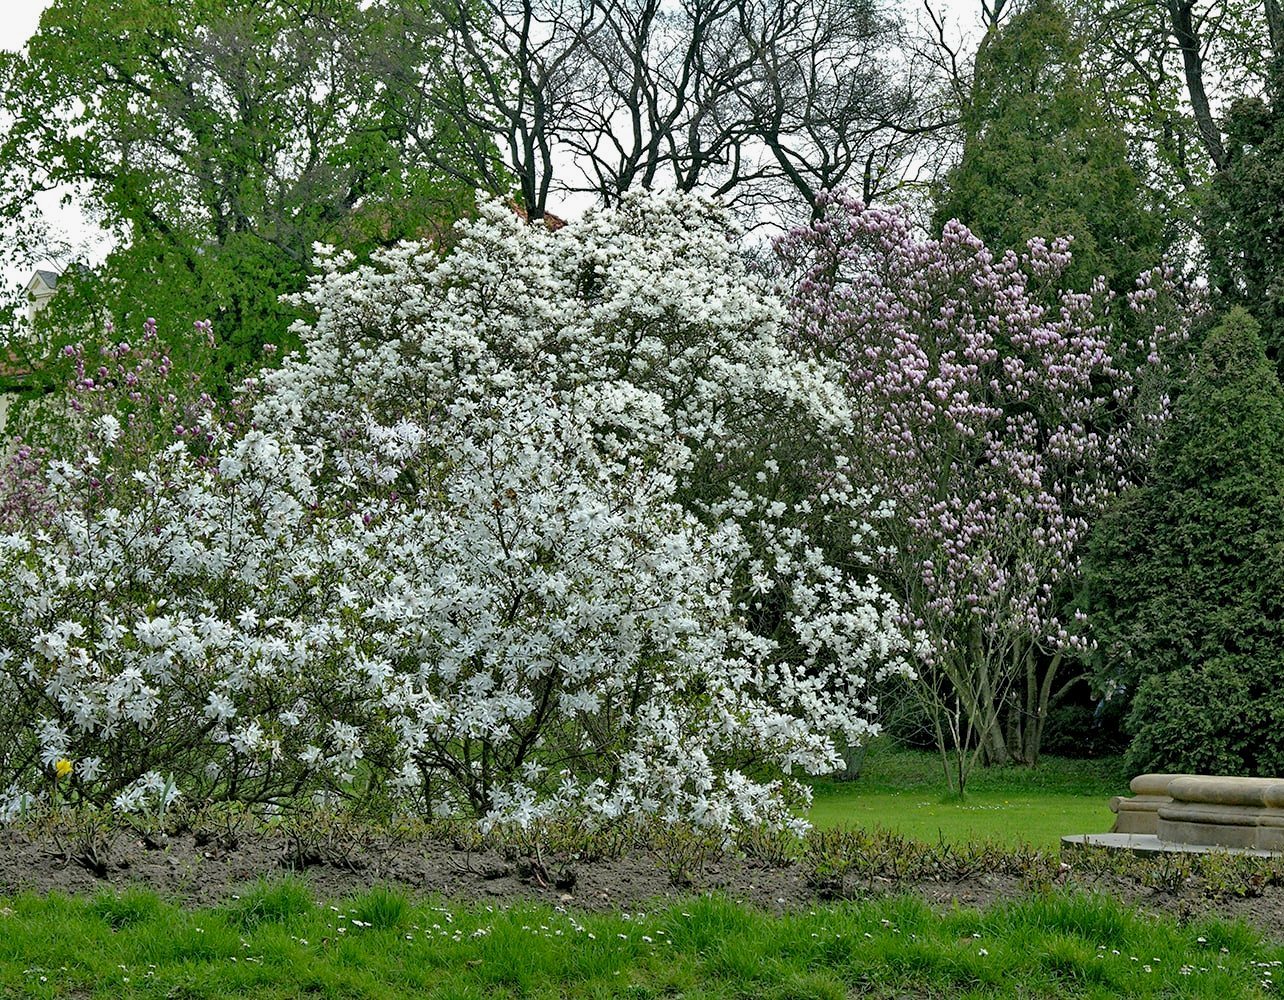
62,768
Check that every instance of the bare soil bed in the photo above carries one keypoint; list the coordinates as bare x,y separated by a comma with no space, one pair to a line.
203,874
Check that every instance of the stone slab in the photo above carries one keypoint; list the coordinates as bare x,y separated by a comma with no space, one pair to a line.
1144,843
1222,826
1140,813
1252,793
1205,811
1155,784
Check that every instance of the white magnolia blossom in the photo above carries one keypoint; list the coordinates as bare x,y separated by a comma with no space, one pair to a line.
554,523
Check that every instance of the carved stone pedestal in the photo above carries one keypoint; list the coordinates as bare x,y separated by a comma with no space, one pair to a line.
1195,813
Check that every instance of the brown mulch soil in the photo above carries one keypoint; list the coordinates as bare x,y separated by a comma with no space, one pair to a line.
205,874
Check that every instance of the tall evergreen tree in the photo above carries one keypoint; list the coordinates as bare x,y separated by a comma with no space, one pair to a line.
1041,159
1185,577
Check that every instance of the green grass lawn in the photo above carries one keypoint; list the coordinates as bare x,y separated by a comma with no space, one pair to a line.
904,791
277,943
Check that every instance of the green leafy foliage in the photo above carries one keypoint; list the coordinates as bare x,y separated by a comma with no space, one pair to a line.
218,142
1185,575
1245,214
1041,158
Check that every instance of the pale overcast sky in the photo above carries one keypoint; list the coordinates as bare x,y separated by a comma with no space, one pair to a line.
18,19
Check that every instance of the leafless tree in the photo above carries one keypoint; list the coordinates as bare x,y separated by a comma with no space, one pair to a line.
764,101
657,89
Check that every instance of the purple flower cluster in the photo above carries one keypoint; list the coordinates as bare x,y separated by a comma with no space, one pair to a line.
124,401
1001,413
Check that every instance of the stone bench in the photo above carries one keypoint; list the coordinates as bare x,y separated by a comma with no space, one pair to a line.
1140,814
1200,810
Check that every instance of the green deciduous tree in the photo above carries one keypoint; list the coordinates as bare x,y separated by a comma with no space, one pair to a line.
218,140
1246,211
1041,159
1185,576
1192,84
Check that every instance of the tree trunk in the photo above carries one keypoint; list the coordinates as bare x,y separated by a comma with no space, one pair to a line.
987,720
1042,705
1015,732
1182,26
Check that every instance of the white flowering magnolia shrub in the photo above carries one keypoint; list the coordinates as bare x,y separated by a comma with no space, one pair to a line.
555,523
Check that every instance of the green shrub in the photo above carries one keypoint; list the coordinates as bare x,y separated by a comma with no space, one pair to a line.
1219,716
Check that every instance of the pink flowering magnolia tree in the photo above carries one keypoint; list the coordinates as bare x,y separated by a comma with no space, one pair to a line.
1000,415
